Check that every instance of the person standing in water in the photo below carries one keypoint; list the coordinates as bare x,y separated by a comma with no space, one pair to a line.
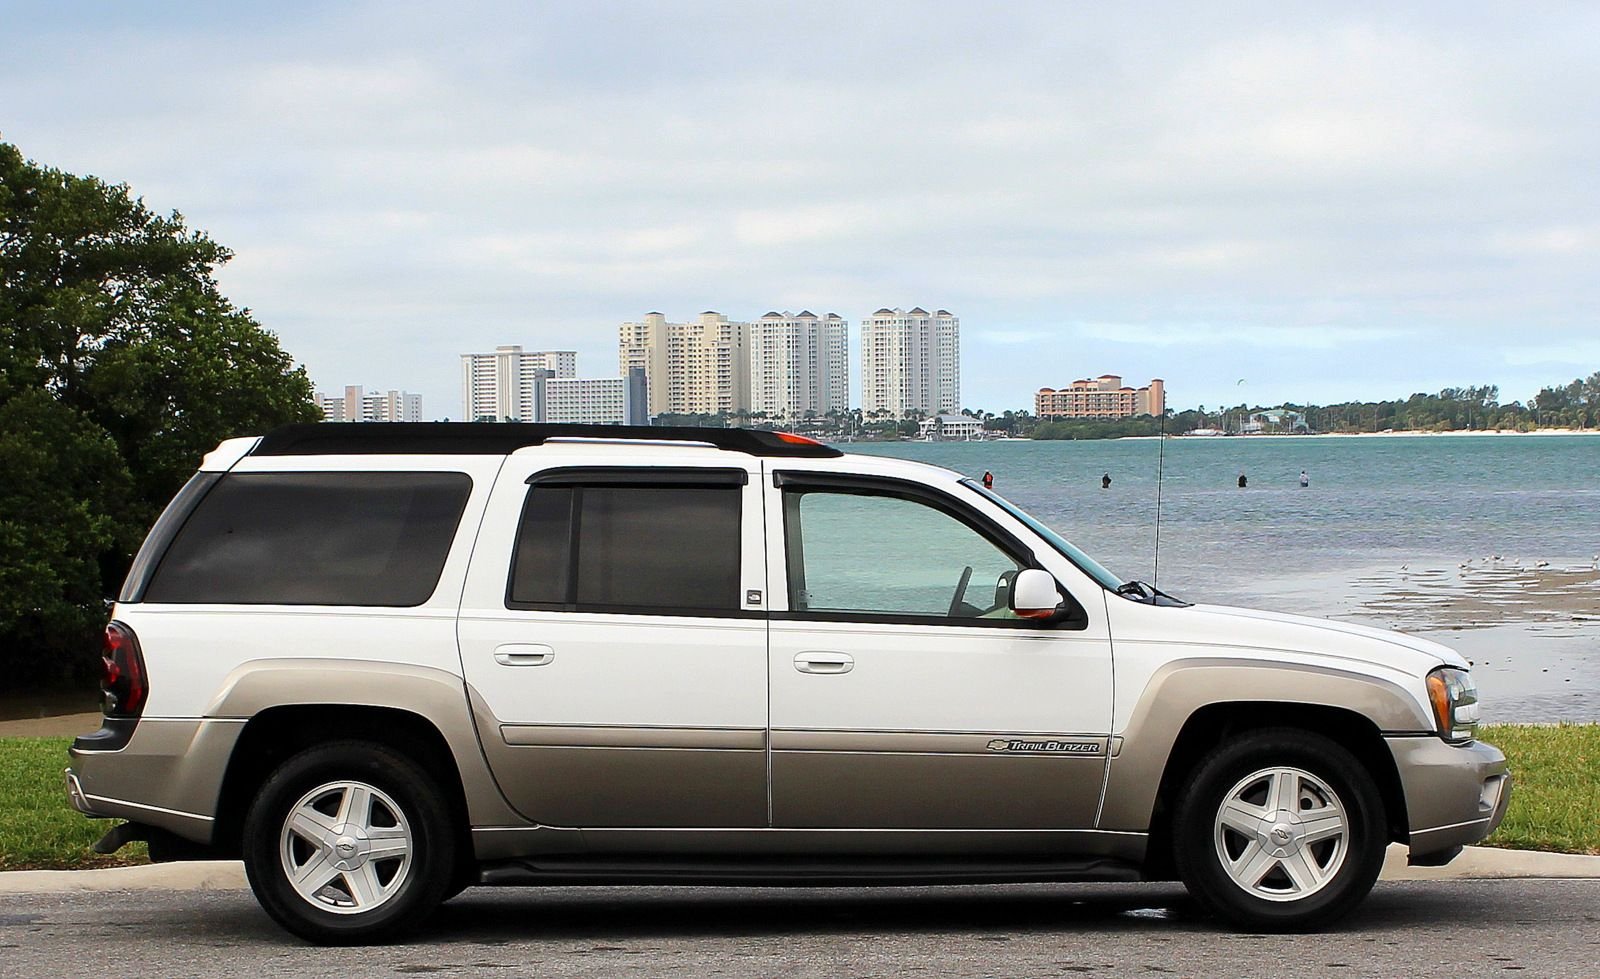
1243,481
1105,481
1305,480
988,479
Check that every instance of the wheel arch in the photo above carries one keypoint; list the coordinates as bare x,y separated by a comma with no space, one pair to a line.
1189,705
1215,724
292,705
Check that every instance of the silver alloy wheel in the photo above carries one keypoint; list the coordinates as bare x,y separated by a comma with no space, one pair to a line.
1282,834
346,847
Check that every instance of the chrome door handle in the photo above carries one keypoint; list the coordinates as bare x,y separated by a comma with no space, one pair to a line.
523,654
824,661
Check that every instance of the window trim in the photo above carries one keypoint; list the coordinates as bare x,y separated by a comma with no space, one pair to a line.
167,527
577,478
663,476
789,480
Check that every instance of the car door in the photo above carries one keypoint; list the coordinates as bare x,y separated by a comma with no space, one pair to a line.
618,678
905,695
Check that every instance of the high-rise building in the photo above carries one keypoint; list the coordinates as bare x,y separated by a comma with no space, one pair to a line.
638,397
503,385
699,367
799,364
1101,397
560,363
355,405
512,384
910,361
586,400
642,346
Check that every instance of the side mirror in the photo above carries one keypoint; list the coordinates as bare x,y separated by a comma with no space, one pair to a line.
1035,594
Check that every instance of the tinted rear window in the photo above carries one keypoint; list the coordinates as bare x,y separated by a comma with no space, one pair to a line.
660,549
364,538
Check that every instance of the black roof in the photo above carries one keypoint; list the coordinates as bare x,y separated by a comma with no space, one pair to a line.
500,438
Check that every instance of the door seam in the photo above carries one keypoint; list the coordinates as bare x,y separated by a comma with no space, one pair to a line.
766,645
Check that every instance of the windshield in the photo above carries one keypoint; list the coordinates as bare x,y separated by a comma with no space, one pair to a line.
1069,550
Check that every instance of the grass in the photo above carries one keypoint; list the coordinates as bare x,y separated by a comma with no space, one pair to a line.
1555,803
1555,790
38,829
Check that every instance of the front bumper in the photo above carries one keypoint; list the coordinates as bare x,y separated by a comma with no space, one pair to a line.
1455,794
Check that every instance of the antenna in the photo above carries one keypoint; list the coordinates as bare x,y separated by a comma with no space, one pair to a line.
1161,465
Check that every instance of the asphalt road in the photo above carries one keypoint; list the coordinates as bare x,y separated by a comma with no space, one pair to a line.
1546,928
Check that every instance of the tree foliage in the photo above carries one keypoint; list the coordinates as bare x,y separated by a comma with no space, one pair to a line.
62,503
121,363
1574,405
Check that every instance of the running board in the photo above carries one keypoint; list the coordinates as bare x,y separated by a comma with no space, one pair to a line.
802,873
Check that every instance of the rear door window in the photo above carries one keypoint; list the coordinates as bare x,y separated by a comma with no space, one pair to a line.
629,546
363,538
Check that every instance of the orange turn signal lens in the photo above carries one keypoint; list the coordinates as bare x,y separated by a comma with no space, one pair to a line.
1439,694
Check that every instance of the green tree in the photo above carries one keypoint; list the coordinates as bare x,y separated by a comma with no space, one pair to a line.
65,488
121,363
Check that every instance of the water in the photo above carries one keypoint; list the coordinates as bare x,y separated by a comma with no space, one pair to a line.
1379,536
1372,501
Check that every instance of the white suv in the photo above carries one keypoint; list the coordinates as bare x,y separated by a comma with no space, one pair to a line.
384,662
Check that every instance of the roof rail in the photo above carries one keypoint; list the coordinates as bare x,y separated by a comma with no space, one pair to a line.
502,438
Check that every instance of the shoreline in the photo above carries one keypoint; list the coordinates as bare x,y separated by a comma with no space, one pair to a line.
1472,433
1411,433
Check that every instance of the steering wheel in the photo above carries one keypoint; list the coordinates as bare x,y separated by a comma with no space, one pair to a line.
961,590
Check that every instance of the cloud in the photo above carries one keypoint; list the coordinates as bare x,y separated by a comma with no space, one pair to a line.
1550,241
1009,338
1386,189
1583,355
1305,338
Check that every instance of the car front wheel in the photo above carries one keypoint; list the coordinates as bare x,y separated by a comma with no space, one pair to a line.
348,843
1280,830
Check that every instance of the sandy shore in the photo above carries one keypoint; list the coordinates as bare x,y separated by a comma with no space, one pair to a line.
1532,634
1482,593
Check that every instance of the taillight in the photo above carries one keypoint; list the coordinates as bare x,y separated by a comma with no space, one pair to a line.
123,684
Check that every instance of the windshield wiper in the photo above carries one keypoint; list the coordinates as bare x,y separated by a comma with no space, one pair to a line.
1140,591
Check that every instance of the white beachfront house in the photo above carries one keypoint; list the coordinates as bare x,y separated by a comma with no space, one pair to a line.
951,428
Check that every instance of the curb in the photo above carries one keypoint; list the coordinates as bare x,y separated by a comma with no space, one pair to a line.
1475,863
182,875
1492,863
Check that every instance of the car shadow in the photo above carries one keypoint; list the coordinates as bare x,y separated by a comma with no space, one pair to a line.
687,912
494,915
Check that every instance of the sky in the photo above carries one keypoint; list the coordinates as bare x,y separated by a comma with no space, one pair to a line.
1256,202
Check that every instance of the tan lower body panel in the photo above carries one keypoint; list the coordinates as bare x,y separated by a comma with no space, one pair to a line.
944,781
168,775
618,776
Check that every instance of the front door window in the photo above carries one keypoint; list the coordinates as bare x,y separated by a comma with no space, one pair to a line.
873,553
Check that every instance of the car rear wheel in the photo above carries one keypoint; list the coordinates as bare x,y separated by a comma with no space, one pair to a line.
348,843
1280,830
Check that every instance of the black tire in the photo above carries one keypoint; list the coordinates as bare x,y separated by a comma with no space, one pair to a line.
414,806
1197,835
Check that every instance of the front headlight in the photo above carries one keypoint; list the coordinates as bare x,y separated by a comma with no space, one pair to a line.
1455,703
